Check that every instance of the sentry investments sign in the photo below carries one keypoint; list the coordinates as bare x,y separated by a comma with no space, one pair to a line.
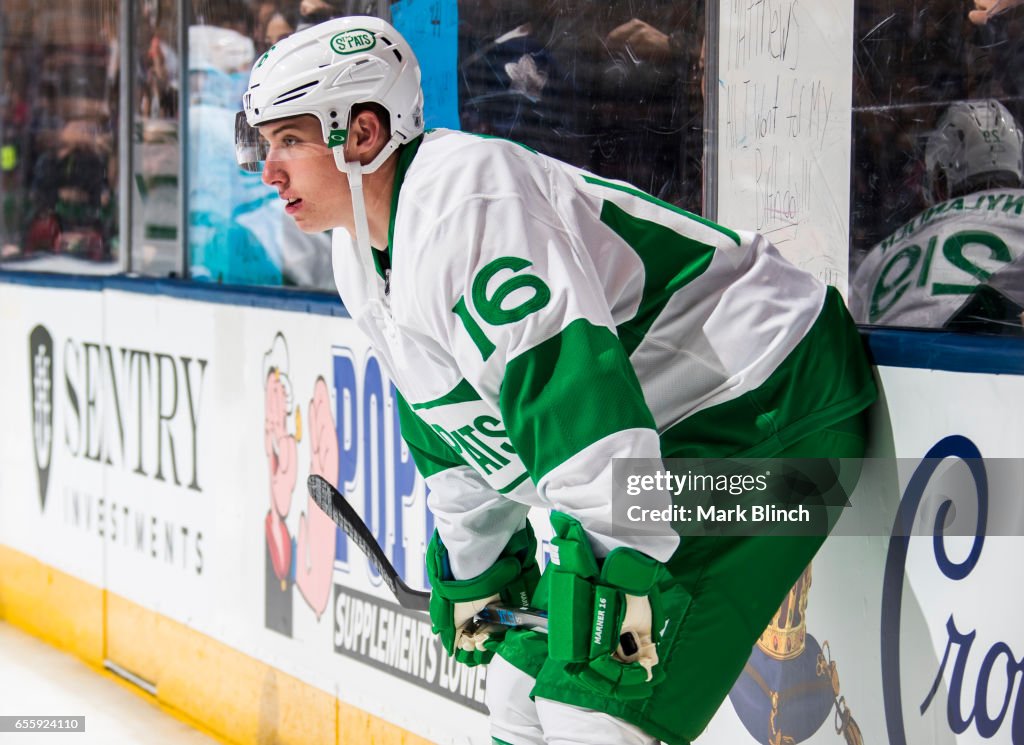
352,41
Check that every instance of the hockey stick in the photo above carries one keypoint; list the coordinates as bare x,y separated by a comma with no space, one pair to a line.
336,507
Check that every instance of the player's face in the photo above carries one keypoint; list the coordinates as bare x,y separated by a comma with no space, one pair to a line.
301,167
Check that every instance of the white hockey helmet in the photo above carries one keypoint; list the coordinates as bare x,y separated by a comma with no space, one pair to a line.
324,70
972,138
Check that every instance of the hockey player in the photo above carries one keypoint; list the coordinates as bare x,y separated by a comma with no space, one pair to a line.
923,273
540,321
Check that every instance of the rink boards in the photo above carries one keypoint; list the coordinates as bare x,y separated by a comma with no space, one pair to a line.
153,514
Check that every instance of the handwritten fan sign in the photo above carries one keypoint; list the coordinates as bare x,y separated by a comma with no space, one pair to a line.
784,106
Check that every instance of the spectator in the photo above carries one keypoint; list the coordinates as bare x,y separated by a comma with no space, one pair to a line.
70,194
233,232
612,87
281,24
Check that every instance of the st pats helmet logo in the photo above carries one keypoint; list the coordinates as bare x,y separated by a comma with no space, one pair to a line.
352,41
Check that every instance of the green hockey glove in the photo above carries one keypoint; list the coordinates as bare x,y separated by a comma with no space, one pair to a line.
512,579
605,619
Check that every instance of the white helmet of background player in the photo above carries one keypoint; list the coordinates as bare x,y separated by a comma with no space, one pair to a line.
323,71
973,143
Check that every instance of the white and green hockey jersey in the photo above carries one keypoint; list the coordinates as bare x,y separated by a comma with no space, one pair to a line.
925,271
540,321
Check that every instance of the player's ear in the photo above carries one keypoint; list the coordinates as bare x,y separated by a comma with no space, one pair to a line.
367,134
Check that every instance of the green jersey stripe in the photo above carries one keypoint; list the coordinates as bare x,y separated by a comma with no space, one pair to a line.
406,154
732,235
567,393
670,261
430,453
459,394
514,484
378,262
807,392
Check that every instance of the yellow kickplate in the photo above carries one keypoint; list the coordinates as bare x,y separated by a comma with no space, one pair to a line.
200,680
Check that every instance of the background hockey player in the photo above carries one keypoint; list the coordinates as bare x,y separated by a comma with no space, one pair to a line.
540,321
972,230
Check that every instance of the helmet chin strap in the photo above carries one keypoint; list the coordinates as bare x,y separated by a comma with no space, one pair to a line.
355,170
364,255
